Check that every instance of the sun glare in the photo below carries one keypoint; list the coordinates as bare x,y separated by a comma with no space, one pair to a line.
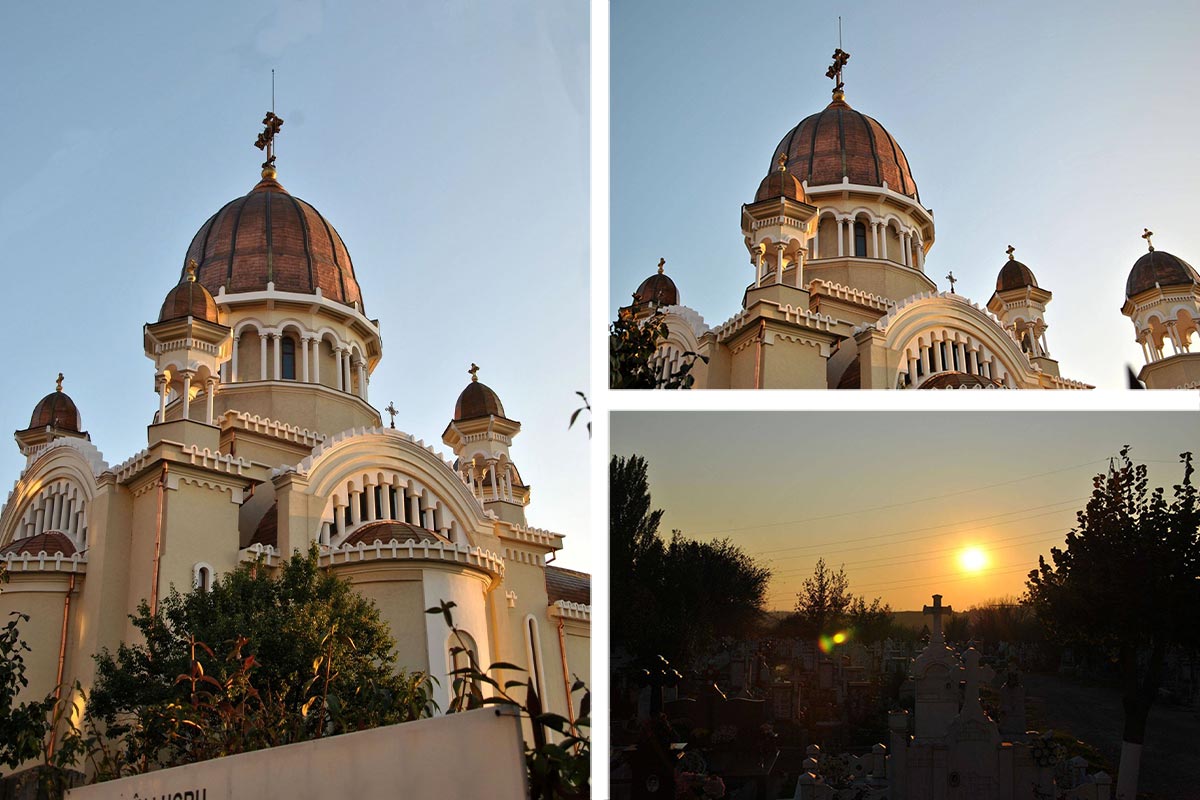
973,559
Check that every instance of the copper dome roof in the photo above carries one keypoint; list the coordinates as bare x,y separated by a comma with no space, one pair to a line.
658,289
959,380
1159,268
1014,275
477,400
49,542
56,410
780,183
189,299
269,236
389,529
840,142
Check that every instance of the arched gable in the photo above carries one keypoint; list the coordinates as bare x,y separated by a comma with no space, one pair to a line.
61,480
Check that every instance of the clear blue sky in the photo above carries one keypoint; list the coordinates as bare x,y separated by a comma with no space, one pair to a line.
894,496
1062,128
447,143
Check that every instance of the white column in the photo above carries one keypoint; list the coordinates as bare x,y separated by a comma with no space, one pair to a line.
920,257
414,513
233,370
39,519
1145,349
187,394
372,509
841,236
362,380
316,363
912,371
816,248
904,248
492,473
339,519
304,359
210,389
355,508
779,248
341,379
262,356
162,396
874,238
926,363
276,357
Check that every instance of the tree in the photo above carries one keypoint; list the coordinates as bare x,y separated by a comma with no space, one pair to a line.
631,347
298,652
23,726
824,606
1128,582
672,598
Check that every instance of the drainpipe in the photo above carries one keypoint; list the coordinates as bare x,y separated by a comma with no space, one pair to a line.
762,332
162,485
562,651
62,658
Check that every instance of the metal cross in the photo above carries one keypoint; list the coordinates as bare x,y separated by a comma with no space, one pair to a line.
783,161
662,262
392,412
192,266
266,139
953,280
1148,233
58,383
473,370
1010,252
840,57
937,609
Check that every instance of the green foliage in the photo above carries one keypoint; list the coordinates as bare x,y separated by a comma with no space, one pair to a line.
631,346
1128,580
672,598
824,605
23,726
263,658
558,769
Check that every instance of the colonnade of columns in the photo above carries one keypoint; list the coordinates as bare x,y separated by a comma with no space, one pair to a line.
926,358
665,362
398,499
769,270
162,385
1033,337
912,251
1153,342
351,369
58,507
492,481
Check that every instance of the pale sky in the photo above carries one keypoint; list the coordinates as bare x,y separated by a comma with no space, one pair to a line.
446,142
895,497
1061,128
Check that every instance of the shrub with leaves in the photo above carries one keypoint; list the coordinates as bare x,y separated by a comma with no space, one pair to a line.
631,347
558,770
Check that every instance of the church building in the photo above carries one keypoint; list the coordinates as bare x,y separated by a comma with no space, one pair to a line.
264,442
837,238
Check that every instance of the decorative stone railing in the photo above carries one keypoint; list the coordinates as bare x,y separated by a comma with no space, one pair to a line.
533,535
215,460
275,428
186,344
568,610
43,562
856,296
409,550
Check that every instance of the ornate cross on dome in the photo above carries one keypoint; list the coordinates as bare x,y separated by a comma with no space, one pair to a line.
266,139
662,262
58,383
191,270
840,57
392,412
953,280
937,609
783,161
1010,252
1148,233
474,370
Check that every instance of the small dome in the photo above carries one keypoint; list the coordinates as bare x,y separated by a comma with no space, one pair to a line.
56,410
780,183
49,542
388,529
1159,268
477,400
840,142
189,299
959,380
1014,275
658,289
269,236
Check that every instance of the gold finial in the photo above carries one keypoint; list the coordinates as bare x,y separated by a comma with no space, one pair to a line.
266,142
840,57
1010,252
58,383
392,412
474,372
1148,233
953,280
662,262
192,266
783,162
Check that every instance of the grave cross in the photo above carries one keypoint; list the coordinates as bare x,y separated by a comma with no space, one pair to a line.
936,610
392,412
953,280
975,674
1148,233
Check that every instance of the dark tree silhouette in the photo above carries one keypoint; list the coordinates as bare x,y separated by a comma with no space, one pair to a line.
631,346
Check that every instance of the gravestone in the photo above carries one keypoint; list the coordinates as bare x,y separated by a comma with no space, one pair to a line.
936,677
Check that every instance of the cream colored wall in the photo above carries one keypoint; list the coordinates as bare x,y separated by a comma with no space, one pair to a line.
791,365
299,404
39,594
250,357
1175,372
883,278
200,524
467,591
398,593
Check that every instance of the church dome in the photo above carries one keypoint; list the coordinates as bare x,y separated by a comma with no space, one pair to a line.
658,289
269,236
960,380
389,529
780,183
48,542
1162,269
56,410
477,400
189,299
840,142
1014,275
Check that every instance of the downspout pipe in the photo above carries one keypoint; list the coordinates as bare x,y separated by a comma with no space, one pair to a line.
562,651
62,660
162,486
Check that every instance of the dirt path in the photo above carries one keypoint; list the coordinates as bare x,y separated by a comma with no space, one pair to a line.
1093,714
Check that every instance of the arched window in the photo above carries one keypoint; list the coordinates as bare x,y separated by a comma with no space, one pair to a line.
288,358
860,240
202,576
533,650
461,650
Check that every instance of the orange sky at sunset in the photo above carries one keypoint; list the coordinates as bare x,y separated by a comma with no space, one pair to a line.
912,503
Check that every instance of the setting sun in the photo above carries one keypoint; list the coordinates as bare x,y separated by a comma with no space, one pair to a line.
973,559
